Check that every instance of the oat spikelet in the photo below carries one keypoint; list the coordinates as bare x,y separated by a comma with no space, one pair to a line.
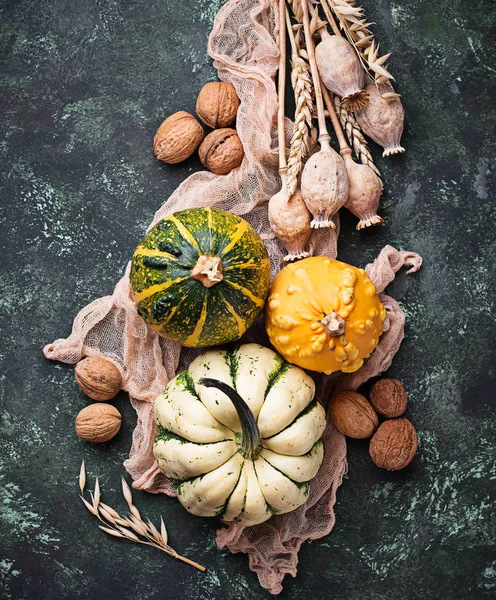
111,531
163,531
126,491
106,515
303,91
96,498
89,506
355,136
153,530
353,23
82,477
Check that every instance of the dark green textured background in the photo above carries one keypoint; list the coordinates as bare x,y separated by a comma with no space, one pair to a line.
83,88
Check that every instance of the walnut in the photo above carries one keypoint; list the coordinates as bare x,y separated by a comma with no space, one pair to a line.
394,444
98,378
221,151
177,138
388,397
98,423
353,415
217,104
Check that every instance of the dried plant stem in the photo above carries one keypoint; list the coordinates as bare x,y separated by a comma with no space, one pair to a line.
281,90
324,136
343,145
330,18
355,136
115,525
303,92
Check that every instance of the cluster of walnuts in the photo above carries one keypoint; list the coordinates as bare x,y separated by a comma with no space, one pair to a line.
394,442
100,380
181,134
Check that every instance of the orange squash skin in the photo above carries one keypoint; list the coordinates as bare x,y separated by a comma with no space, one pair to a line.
301,296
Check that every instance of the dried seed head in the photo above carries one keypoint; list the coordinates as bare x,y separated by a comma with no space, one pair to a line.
364,194
341,71
290,221
382,119
324,186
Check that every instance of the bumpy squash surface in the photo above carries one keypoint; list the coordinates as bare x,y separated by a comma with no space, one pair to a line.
200,277
324,315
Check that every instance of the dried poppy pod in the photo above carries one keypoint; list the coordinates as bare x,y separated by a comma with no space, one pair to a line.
290,221
324,185
365,192
341,71
382,119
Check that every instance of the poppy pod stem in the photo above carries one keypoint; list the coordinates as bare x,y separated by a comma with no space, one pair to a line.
324,136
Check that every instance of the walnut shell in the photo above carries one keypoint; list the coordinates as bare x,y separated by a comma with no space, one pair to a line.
221,151
98,378
388,397
217,104
394,444
353,415
177,138
98,423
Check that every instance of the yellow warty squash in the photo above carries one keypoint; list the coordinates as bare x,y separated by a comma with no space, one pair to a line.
324,315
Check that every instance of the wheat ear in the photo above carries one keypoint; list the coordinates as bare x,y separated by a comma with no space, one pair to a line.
355,136
303,93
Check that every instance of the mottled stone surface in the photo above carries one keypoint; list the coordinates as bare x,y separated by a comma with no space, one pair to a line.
83,88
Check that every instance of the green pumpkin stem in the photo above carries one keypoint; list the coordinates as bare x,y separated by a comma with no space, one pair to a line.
250,444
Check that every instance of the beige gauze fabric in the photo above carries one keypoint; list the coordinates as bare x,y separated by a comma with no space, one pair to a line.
243,44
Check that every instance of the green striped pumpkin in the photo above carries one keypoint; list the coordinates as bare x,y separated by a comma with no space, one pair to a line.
200,277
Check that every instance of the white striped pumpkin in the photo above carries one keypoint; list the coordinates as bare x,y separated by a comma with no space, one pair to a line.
240,433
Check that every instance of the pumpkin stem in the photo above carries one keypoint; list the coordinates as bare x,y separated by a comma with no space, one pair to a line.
334,324
250,444
208,270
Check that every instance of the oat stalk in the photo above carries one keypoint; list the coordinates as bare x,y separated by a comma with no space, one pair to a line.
303,92
353,23
132,527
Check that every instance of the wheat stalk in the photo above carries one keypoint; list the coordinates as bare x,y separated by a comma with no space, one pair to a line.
130,527
303,93
355,136
353,23
347,120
